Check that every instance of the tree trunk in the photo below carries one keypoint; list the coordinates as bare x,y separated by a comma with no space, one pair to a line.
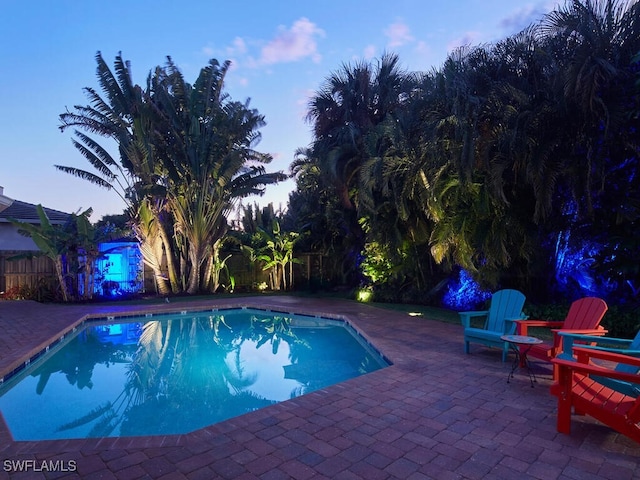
210,280
196,258
284,277
291,275
150,258
61,279
168,251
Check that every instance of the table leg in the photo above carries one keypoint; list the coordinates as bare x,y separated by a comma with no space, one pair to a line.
521,360
516,361
525,360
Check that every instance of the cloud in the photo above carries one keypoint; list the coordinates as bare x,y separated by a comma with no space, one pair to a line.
398,34
238,47
469,38
291,45
369,52
511,23
528,14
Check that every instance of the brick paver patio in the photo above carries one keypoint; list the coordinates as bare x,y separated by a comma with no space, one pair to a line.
436,413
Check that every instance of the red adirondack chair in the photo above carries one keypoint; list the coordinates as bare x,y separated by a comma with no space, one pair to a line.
584,317
577,388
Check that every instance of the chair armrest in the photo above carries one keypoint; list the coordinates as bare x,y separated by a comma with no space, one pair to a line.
587,354
543,323
465,317
591,369
587,332
522,326
569,334
558,340
510,324
568,338
621,351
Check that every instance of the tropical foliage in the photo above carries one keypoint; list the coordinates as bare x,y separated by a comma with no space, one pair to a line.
185,157
488,163
514,162
72,247
264,242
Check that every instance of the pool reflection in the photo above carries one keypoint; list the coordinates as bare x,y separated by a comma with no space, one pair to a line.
176,375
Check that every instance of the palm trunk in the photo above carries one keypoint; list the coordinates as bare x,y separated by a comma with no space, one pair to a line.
150,258
196,259
89,268
168,251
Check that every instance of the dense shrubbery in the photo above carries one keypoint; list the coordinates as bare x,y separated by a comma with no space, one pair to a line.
515,161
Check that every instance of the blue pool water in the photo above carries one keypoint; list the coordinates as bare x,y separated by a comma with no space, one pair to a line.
170,374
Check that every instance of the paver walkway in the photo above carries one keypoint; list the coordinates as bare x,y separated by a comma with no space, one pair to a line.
436,413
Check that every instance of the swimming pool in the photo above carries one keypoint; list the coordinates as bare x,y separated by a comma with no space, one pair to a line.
174,373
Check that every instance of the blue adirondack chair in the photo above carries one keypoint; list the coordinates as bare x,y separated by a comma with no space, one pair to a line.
622,346
505,309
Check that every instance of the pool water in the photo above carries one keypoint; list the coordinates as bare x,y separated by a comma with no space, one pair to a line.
172,374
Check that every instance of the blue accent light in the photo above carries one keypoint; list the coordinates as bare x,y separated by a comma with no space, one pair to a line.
119,269
464,293
575,258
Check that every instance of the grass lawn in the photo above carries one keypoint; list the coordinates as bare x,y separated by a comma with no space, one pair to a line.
423,311
451,316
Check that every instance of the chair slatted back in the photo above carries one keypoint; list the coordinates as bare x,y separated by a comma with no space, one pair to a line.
504,304
585,313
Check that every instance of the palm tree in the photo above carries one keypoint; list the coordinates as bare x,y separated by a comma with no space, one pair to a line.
348,105
277,254
208,158
316,211
125,116
185,158
595,40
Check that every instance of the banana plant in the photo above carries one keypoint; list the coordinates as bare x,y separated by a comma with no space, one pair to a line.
53,242
277,255
73,248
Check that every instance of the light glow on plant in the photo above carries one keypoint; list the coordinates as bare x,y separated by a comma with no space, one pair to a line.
364,295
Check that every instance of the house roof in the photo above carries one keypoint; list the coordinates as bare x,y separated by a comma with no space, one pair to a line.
27,212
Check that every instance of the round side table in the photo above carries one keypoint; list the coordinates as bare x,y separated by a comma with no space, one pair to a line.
517,341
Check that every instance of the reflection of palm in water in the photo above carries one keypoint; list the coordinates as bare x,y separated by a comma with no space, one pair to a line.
81,355
180,363
186,373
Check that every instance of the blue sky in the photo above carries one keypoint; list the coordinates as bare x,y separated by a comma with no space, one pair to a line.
281,51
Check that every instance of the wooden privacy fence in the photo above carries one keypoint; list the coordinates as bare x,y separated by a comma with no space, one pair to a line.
23,271
247,276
